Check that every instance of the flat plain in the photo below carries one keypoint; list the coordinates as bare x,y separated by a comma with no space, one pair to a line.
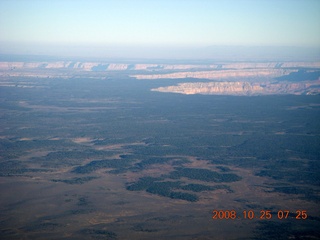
98,155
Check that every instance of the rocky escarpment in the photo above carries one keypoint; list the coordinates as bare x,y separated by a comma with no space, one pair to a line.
110,66
225,78
243,88
219,74
236,88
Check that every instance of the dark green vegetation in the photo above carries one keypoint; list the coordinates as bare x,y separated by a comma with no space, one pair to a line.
98,234
70,157
158,185
170,188
285,230
204,175
74,133
17,168
77,180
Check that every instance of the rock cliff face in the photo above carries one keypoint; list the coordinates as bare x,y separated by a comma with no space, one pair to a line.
235,88
113,66
88,66
226,78
57,64
243,88
301,64
219,74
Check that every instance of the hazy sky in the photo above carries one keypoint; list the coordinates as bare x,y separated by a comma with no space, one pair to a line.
70,26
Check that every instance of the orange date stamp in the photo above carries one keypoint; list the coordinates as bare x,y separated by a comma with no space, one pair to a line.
262,214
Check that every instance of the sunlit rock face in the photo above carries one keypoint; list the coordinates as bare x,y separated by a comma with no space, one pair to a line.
117,66
219,74
225,78
243,88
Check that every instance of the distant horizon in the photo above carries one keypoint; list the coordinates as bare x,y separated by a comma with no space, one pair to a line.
213,52
166,29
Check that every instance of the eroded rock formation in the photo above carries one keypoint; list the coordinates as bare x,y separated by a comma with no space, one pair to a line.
243,88
219,74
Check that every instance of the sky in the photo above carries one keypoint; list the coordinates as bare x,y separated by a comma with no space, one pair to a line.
159,28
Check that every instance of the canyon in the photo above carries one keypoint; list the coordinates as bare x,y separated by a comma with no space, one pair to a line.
218,78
